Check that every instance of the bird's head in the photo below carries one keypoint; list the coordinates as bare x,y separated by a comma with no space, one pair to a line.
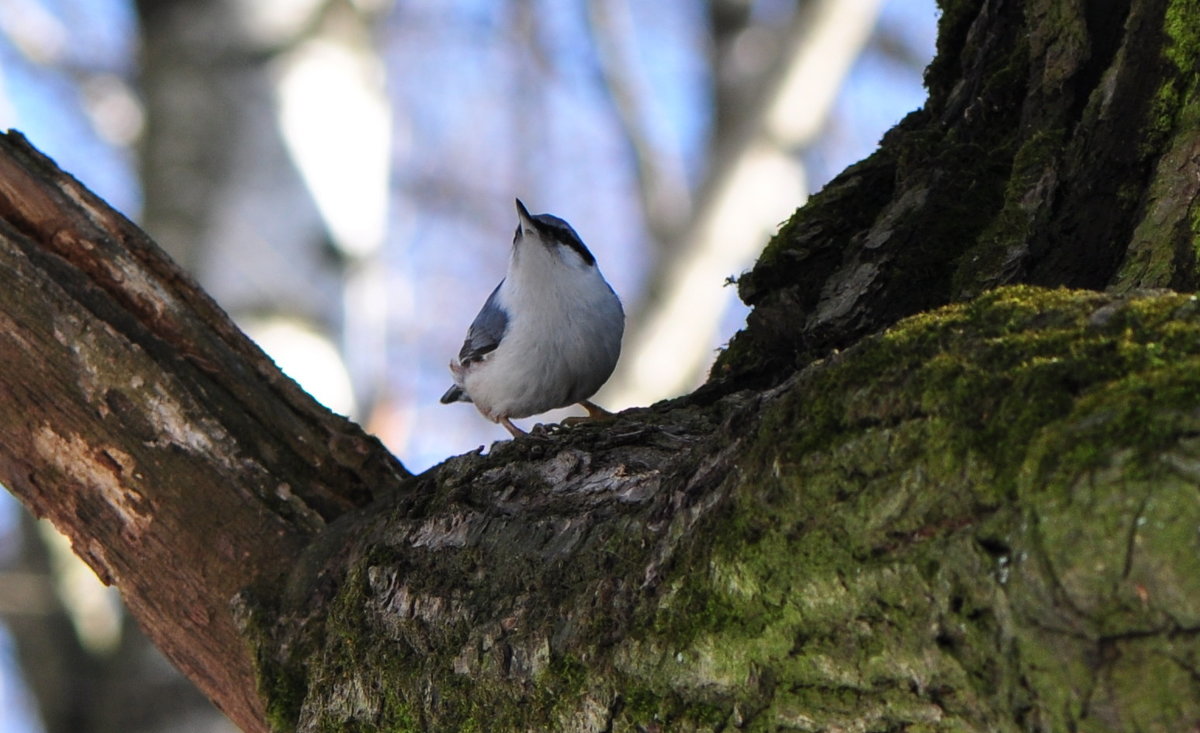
552,235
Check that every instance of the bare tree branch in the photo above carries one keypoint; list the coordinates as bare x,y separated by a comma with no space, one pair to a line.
233,466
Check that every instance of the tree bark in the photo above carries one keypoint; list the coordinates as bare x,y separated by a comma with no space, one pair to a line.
981,518
181,463
1057,147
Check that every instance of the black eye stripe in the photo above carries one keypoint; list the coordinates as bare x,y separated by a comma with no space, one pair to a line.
563,233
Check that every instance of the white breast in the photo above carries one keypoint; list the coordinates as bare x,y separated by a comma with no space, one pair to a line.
563,337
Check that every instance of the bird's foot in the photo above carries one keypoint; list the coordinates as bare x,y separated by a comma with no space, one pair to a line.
594,412
512,429
538,432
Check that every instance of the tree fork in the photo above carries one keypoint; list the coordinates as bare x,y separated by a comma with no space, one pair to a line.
981,518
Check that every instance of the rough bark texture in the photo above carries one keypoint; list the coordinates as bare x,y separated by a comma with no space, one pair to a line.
983,518
133,414
1058,146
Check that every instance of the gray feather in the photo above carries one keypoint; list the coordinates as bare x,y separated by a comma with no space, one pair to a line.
486,330
483,337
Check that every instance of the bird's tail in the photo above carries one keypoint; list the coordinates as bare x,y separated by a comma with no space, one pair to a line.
455,394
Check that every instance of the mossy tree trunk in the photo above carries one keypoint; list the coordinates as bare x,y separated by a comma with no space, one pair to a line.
907,501
1058,147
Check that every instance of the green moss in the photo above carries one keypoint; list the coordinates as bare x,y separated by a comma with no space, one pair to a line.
955,21
1156,686
1166,242
923,198
1183,48
1059,39
1194,213
648,709
981,519
1163,109
972,502
1188,122
281,686
985,263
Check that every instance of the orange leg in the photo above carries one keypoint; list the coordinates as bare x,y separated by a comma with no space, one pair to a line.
594,410
513,429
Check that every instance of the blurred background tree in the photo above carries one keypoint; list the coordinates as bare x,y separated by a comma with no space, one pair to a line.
339,174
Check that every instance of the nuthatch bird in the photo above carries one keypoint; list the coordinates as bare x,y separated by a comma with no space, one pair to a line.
548,336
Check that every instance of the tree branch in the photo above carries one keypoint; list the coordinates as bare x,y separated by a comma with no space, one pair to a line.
183,466
931,529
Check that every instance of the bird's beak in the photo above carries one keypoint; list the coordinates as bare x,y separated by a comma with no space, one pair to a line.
524,215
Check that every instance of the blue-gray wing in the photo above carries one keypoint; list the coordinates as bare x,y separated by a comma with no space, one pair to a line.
486,330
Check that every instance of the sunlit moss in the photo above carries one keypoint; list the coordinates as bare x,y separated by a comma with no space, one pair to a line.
923,502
